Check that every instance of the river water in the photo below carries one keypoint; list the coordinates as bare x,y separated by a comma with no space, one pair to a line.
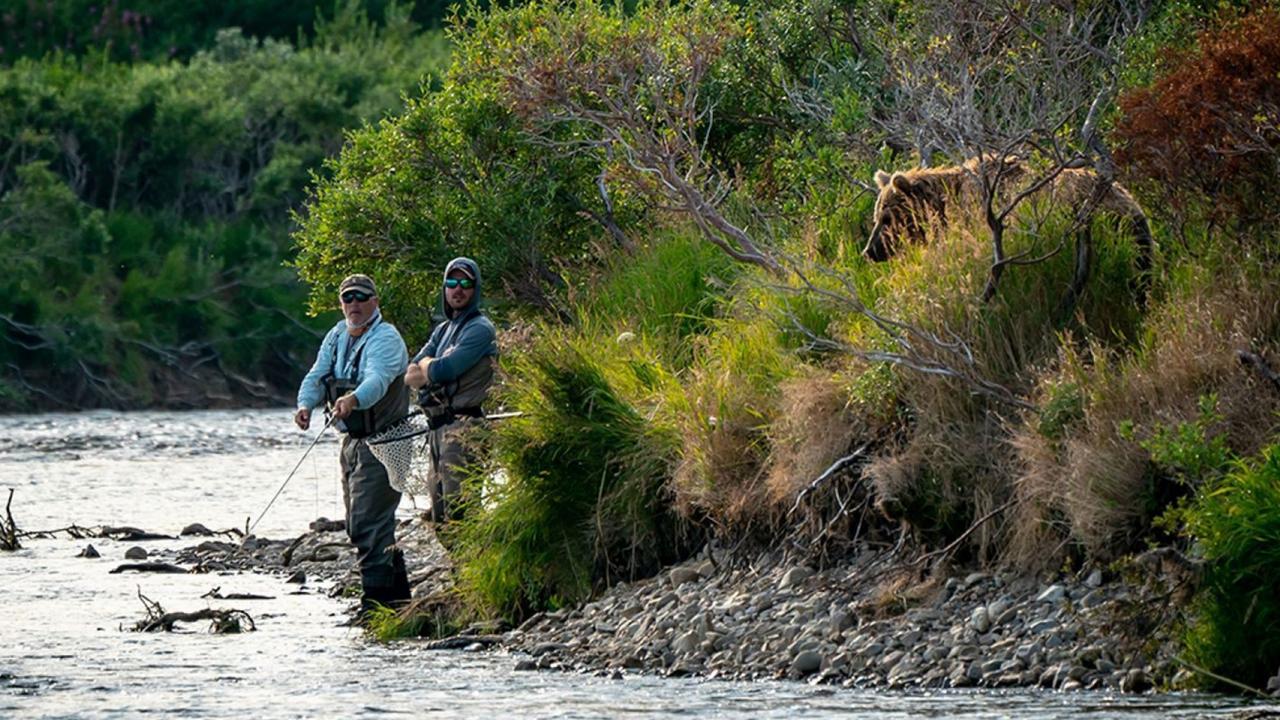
65,650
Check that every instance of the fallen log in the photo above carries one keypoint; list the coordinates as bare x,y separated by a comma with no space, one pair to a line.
458,642
216,594
131,534
152,567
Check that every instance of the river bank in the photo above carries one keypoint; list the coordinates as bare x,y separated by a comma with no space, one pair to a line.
868,622
858,625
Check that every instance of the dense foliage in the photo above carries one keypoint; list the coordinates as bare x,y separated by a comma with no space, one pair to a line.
162,29
1236,625
148,207
1209,126
757,127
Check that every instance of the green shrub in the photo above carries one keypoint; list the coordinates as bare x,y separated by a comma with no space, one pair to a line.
1062,408
1235,626
1193,452
576,499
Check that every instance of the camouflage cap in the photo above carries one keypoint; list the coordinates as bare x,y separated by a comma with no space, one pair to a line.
358,282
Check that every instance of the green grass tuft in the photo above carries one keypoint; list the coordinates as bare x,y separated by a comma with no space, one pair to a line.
1235,629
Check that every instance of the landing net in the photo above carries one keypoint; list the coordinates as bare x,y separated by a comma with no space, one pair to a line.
402,450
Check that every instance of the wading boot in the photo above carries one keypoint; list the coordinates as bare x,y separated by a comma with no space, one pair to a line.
373,599
400,593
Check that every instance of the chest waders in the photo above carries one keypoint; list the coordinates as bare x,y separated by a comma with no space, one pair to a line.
367,494
391,407
444,405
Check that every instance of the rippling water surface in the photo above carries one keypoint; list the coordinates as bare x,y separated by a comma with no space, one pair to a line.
64,652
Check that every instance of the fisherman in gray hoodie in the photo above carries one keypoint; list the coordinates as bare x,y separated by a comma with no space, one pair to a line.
453,372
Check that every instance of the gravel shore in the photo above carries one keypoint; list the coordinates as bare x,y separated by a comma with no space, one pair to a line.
866,622
855,625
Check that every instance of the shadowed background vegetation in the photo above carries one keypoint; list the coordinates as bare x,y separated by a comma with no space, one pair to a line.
145,205
597,161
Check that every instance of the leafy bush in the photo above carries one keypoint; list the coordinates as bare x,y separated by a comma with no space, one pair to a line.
453,175
1235,522
1192,451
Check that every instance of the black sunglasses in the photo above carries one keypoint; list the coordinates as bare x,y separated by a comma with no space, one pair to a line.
464,283
351,296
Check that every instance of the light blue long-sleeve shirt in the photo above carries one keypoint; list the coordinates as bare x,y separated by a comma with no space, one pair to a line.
383,359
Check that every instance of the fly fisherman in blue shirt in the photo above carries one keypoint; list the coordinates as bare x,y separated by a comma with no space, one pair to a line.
453,372
358,375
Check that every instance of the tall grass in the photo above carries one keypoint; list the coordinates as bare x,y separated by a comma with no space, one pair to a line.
582,502
1081,482
952,462
585,500
1235,630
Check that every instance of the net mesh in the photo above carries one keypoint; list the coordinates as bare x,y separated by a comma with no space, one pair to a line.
402,450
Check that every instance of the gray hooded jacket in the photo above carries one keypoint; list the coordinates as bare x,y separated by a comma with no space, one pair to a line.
464,349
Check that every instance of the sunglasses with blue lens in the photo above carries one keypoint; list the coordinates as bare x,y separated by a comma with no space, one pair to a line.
464,283
351,296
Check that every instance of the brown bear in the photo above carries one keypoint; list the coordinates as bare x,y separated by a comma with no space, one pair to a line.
909,199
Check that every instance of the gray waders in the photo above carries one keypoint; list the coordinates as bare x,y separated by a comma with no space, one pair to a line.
371,506
371,524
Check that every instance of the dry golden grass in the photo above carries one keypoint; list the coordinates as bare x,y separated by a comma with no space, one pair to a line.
952,466
720,472
1091,487
813,429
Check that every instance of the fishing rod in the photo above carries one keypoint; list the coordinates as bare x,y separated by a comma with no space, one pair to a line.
327,423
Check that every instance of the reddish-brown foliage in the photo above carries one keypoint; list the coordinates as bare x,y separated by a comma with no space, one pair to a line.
1208,129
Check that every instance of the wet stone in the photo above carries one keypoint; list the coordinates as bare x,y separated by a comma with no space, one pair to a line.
795,576
89,551
682,575
979,620
196,529
135,553
1052,594
806,662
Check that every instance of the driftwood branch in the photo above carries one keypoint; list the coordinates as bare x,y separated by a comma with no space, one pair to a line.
8,529
827,474
223,620
151,567
131,534
940,552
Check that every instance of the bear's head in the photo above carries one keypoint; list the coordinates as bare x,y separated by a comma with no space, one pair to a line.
900,211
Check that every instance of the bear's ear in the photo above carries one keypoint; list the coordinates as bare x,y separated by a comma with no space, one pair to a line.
902,183
882,178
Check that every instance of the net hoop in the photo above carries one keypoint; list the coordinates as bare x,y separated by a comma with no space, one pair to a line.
402,448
